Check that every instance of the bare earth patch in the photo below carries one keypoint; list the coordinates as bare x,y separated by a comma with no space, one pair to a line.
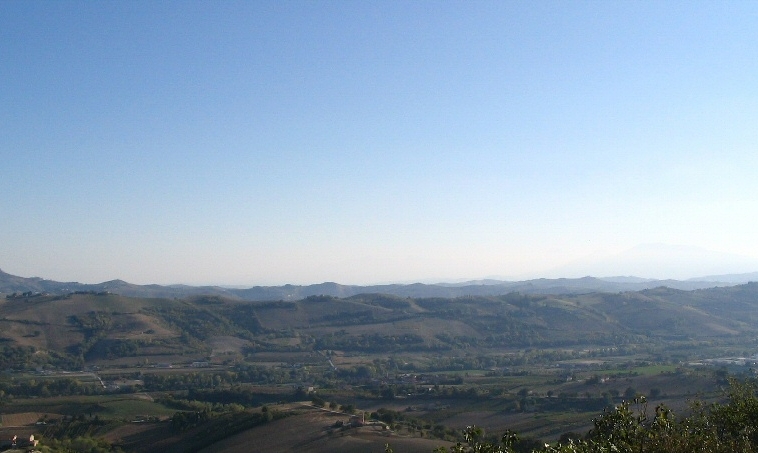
21,419
227,344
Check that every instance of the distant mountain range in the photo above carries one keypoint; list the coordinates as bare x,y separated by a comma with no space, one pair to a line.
10,284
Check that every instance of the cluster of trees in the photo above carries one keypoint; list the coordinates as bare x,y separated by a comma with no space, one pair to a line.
245,316
75,427
211,426
628,428
507,333
184,420
208,422
93,326
184,381
320,402
241,374
197,324
239,394
16,356
46,388
26,358
80,444
257,374
24,295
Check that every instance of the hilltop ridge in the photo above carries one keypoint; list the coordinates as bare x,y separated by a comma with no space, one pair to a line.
10,284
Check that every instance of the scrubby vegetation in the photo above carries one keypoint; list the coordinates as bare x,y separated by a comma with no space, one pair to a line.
630,428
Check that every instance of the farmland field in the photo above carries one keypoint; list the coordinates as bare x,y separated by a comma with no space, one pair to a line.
20,419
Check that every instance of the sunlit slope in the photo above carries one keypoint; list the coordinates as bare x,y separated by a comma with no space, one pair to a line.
58,323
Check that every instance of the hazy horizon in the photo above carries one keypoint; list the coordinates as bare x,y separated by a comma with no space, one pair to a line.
649,256
245,143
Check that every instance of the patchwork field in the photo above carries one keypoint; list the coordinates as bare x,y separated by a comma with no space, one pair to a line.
314,432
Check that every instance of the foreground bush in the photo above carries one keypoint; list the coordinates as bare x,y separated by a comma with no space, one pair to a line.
716,428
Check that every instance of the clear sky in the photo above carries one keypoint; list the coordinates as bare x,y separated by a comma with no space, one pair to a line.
256,142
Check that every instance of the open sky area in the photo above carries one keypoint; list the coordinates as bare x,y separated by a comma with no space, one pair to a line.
272,142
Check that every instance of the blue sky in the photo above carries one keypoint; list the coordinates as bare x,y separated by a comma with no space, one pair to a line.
359,142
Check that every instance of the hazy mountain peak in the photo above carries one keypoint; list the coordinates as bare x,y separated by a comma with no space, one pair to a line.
657,261
728,278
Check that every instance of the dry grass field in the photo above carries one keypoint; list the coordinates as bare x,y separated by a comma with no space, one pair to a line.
313,432
226,344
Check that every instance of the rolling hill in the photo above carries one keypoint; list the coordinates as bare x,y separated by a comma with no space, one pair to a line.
71,330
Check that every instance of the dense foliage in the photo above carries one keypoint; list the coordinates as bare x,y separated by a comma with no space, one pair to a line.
628,428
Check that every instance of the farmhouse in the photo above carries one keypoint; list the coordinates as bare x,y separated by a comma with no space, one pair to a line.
15,442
